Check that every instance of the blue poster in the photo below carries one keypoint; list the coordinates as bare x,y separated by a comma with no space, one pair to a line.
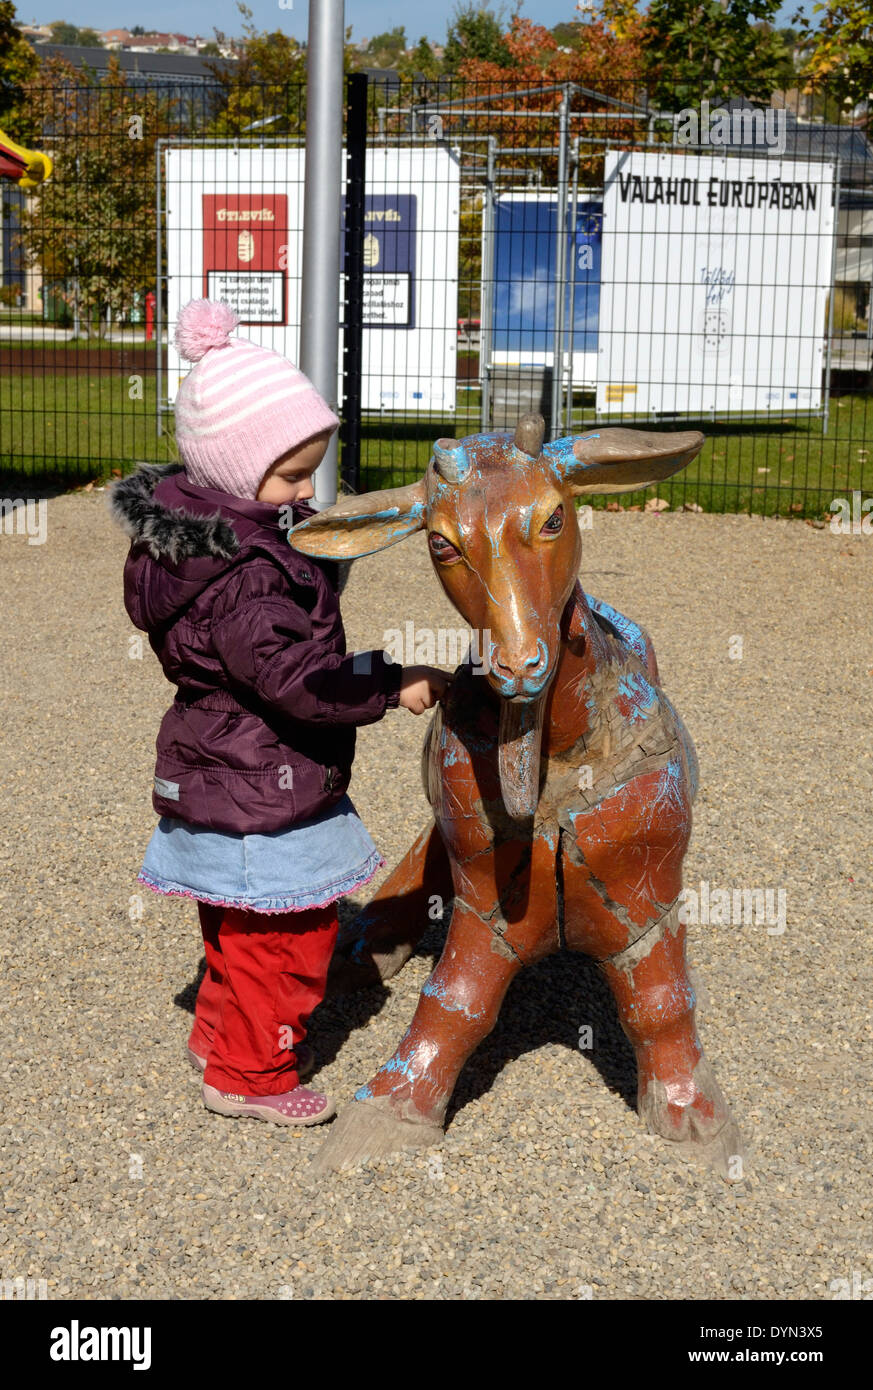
524,274
389,259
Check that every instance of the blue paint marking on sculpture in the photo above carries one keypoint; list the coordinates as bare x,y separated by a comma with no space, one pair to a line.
563,460
364,1093
668,795
494,539
399,1064
550,836
436,990
634,688
536,683
363,921
687,746
631,634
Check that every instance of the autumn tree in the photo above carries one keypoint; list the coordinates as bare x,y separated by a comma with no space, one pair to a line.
714,49
92,225
532,55
840,49
604,62
71,35
475,34
261,84
263,87
18,66
568,34
421,61
384,50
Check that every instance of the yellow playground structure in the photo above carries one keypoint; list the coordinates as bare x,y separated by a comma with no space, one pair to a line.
26,168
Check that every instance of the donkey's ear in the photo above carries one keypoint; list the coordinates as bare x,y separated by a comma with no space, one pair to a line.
362,525
620,460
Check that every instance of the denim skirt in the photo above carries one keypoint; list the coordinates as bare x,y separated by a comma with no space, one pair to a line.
308,865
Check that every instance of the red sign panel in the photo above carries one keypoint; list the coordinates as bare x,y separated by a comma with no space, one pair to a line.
245,251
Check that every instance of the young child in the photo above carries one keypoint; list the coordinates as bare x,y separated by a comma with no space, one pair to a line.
255,754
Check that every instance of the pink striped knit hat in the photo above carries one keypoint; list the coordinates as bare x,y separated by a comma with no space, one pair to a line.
242,406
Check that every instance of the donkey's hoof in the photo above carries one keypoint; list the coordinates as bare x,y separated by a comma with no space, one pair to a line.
352,970
371,1129
347,976
724,1154
695,1117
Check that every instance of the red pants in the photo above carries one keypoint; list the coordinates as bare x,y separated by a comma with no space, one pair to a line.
264,976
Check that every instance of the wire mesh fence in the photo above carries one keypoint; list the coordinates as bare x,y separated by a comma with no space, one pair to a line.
579,253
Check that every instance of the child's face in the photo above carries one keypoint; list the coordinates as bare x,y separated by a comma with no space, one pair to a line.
289,479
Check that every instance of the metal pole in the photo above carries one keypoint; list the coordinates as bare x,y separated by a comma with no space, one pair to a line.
486,298
560,271
353,314
575,256
831,298
159,312
322,209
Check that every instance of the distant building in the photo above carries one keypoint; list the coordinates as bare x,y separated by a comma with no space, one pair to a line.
386,78
37,33
116,38
143,66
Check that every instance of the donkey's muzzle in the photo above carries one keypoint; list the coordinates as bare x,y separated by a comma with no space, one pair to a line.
522,680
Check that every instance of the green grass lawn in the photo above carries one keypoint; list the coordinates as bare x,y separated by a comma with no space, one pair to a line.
70,429
76,427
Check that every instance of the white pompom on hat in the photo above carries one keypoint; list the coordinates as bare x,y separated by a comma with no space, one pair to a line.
241,406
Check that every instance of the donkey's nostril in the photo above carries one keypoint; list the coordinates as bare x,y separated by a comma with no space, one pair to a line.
542,656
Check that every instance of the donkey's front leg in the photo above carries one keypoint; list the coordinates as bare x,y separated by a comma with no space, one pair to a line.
404,1105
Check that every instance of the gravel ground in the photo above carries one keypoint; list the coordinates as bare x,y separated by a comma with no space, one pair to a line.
118,1184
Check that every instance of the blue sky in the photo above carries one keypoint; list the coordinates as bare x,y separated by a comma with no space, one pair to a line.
367,17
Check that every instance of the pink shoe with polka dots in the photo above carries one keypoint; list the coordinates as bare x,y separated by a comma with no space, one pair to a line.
298,1107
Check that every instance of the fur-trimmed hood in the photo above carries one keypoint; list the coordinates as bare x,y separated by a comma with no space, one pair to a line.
168,532
184,537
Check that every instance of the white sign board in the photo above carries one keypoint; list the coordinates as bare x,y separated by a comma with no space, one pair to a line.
255,295
235,232
714,283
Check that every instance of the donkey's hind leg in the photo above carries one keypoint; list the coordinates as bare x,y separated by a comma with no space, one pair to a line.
380,940
622,878
678,1096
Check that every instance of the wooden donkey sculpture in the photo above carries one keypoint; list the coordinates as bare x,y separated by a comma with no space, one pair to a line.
560,778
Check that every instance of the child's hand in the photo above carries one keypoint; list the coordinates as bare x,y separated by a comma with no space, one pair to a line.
421,687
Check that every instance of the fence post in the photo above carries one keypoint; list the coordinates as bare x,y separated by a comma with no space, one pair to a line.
322,207
557,404
353,265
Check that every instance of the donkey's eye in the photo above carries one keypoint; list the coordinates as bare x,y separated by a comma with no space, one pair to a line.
555,524
441,549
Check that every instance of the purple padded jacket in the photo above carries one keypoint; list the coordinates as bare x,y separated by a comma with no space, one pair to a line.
261,734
